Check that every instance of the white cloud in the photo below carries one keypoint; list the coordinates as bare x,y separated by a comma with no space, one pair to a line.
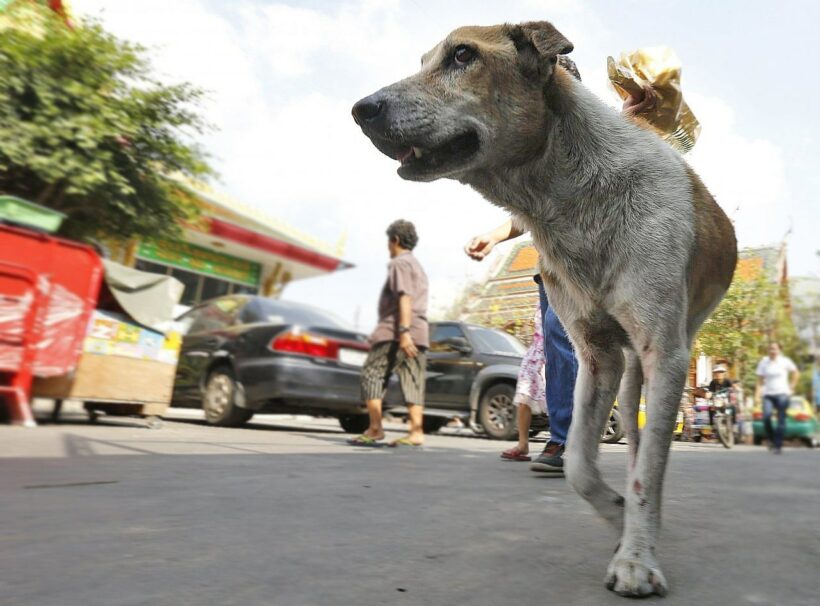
745,174
283,78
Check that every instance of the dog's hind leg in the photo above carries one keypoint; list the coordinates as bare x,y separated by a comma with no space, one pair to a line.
634,570
600,368
629,400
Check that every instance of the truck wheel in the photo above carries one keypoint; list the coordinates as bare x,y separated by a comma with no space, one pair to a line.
219,400
153,422
432,424
354,423
497,414
614,430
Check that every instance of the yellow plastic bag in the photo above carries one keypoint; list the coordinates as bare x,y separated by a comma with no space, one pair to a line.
659,68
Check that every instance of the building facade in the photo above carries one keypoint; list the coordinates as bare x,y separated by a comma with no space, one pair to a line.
508,298
231,248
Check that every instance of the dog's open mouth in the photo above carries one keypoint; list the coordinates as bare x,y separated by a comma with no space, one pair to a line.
418,160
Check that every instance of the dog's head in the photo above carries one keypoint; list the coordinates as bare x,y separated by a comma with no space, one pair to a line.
478,100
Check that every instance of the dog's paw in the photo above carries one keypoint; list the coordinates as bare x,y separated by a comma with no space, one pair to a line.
635,576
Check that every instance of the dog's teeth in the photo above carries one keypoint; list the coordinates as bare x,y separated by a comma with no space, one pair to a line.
417,152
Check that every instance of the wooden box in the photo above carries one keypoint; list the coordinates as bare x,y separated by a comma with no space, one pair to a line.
113,379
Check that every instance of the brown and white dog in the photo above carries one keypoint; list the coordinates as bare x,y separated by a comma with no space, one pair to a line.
635,253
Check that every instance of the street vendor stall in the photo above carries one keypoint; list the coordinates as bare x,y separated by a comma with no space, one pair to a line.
48,289
129,354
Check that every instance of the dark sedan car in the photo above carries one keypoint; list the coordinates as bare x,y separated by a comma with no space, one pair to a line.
244,354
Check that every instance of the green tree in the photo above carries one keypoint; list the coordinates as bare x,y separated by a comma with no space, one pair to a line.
752,313
85,129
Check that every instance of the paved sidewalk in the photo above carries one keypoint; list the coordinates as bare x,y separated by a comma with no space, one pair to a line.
285,513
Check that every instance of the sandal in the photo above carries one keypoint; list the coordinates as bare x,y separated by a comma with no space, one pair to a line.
403,442
364,440
515,454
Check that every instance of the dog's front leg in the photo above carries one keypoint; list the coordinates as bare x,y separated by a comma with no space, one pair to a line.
634,570
599,374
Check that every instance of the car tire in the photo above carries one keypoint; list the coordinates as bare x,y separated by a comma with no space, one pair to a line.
497,414
539,424
219,399
354,423
614,429
810,442
433,424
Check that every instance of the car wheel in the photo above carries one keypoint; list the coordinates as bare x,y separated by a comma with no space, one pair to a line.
614,429
539,423
219,400
810,442
354,423
433,424
497,413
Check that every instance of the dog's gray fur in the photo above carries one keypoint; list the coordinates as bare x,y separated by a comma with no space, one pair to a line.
634,252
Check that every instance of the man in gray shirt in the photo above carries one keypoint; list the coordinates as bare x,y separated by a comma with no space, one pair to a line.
400,340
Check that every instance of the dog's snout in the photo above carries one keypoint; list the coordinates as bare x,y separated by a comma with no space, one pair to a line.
368,109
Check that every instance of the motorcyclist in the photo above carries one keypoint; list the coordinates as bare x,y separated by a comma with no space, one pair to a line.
719,383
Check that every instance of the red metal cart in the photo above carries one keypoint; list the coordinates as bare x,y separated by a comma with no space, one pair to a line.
48,289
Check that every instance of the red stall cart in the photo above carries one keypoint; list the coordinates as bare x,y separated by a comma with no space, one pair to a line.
48,289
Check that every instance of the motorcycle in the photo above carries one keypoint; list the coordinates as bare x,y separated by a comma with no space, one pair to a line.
714,416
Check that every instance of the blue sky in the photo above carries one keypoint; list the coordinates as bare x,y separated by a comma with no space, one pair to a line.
283,75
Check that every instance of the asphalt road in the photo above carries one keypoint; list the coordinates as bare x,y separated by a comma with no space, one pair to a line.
285,513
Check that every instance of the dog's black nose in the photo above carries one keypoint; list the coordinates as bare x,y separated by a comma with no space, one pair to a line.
368,109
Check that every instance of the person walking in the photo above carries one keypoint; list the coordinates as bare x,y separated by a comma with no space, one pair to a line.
773,383
400,340
530,394
559,356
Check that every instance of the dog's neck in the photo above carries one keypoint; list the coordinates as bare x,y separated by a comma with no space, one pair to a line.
583,160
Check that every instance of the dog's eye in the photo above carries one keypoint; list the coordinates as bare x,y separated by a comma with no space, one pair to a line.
463,55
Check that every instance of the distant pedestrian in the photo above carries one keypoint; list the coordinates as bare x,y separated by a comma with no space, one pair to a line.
530,392
400,340
773,374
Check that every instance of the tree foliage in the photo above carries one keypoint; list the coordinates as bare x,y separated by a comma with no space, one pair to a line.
752,313
85,129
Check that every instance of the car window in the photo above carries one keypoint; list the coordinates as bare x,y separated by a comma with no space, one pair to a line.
271,311
498,342
796,404
216,315
442,332
184,322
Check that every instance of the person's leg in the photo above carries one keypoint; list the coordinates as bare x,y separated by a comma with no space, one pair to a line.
412,380
374,411
562,370
524,421
374,374
782,405
415,417
768,405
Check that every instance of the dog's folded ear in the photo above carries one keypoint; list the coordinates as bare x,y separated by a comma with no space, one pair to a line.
538,44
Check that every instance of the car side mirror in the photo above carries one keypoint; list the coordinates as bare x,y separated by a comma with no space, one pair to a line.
459,344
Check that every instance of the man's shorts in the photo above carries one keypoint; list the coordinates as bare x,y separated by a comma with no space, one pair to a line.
386,358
